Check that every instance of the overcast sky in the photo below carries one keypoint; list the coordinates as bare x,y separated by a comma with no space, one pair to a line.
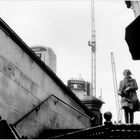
65,26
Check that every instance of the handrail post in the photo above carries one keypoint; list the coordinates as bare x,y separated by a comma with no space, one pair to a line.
108,124
108,117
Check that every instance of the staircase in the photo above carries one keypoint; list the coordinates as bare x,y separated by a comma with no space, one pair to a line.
106,131
121,131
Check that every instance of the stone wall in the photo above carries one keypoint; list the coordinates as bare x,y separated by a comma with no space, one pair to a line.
23,85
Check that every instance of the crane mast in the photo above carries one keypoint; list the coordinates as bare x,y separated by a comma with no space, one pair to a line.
118,106
92,44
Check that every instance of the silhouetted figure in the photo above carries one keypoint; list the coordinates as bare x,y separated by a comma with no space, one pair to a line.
129,99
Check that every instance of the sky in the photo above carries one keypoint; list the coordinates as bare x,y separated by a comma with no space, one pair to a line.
65,26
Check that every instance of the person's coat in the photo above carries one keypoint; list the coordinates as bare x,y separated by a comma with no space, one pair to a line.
127,91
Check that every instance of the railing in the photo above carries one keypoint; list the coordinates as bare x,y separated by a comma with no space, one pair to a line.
95,132
124,131
106,131
13,129
55,102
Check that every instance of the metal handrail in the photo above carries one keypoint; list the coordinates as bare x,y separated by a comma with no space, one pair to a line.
83,133
74,108
36,108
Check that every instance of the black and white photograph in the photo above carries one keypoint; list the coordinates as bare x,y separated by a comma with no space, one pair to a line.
69,69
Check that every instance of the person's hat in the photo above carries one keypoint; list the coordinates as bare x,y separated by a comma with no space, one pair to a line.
127,71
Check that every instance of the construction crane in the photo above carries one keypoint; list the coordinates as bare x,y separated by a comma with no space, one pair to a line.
92,44
117,99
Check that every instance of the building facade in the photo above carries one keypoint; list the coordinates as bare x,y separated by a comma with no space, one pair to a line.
134,5
81,88
47,55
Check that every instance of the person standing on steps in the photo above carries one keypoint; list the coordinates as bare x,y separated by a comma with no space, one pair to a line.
129,99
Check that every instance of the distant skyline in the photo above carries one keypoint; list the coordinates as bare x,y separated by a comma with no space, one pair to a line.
65,26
